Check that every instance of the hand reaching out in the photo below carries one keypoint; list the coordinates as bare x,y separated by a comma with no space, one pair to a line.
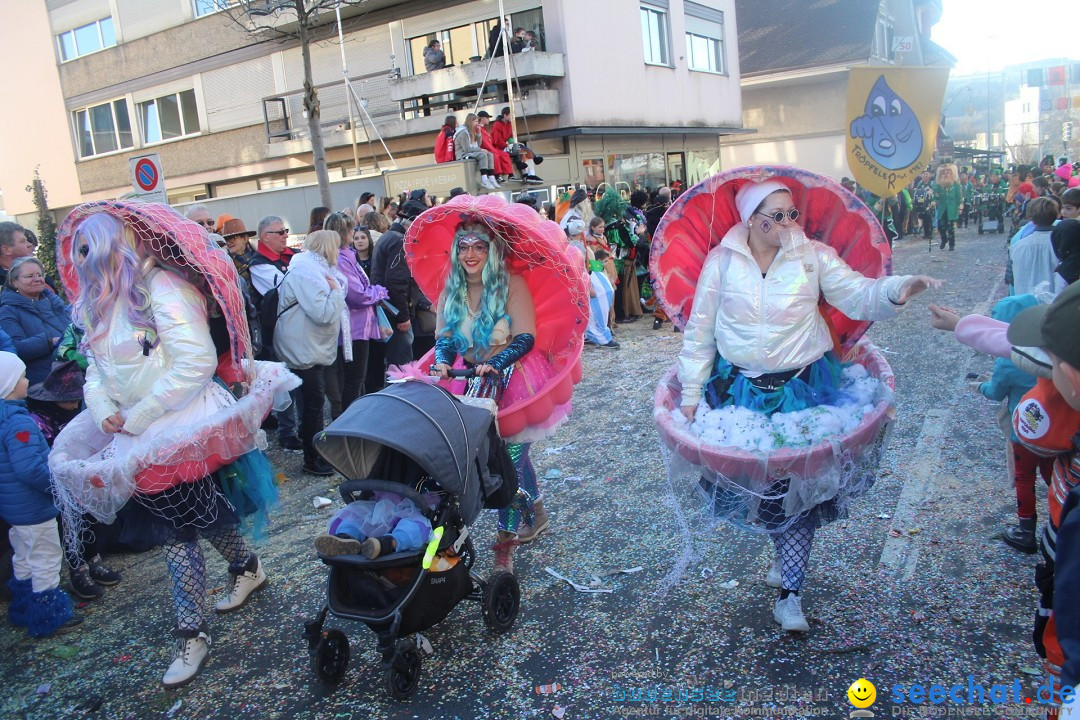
944,318
917,284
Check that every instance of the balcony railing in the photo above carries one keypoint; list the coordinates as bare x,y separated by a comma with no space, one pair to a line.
460,79
397,112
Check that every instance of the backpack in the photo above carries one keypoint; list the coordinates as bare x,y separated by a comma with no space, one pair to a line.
268,312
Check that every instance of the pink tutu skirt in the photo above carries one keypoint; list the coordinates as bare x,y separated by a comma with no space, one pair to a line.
535,402
98,473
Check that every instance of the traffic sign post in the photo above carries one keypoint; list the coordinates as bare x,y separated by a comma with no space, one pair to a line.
147,179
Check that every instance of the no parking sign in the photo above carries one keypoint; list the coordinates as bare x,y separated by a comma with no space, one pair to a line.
147,179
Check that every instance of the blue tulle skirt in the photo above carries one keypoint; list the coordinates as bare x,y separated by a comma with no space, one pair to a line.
818,384
241,494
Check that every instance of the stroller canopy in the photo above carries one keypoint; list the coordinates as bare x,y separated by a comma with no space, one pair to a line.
423,422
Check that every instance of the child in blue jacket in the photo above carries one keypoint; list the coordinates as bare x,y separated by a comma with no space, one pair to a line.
26,503
1008,381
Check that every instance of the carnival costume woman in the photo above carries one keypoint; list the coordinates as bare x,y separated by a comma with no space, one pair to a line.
755,337
492,258
162,426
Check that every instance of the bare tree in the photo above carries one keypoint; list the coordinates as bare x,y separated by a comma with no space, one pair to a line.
307,21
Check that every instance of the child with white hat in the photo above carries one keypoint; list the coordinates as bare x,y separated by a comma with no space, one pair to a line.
26,503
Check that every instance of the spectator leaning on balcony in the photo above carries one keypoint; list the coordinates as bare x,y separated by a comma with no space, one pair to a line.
434,57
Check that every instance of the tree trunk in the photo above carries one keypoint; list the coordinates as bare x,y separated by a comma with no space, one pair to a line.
311,105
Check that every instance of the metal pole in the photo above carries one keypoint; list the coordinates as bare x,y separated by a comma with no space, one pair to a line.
348,97
504,21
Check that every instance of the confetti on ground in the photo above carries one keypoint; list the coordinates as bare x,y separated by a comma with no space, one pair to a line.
64,652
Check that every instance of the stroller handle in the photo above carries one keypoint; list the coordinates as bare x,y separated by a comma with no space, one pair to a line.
465,373
349,487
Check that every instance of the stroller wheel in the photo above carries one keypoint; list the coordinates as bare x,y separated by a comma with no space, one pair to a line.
501,602
330,659
404,672
468,554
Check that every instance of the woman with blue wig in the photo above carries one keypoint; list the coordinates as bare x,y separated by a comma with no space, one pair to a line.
487,317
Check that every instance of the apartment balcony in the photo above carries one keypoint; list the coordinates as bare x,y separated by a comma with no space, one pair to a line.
461,79
395,112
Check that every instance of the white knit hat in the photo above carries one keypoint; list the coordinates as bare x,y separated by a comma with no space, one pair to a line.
750,195
575,227
11,371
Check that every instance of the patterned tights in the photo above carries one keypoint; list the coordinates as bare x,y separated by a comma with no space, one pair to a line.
521,508
793,550
187,569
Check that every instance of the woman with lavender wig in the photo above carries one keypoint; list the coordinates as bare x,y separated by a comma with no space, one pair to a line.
150,387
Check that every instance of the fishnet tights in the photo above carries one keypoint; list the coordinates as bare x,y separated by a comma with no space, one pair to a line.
793,549
187,570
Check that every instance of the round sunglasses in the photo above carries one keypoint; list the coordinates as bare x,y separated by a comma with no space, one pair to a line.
779,215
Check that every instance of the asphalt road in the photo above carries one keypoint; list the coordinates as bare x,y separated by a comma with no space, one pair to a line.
950,601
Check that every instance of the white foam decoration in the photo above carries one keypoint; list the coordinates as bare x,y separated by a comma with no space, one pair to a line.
754,431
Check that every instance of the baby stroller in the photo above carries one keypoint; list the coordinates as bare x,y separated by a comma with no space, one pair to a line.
413,439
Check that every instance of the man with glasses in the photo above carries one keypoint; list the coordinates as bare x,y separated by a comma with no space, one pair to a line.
273,236
267,269
201,214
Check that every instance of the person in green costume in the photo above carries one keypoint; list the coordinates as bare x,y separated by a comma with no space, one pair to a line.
950,199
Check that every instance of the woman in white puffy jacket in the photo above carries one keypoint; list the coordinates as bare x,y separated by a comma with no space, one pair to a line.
755,338
311,307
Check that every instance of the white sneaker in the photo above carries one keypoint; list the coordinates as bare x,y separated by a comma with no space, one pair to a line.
243,585
788,613
485,182
774,577
494,182
188,659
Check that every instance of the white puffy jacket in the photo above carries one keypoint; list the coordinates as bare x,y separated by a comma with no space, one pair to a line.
145,383
310,313
772,324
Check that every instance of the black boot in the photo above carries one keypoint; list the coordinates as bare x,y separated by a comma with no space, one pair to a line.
1022,536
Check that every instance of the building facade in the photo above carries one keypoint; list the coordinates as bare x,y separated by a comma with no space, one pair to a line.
795,58
616,91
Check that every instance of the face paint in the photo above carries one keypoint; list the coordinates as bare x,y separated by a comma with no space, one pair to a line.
766,226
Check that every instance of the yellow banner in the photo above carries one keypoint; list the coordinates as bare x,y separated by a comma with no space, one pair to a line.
892,119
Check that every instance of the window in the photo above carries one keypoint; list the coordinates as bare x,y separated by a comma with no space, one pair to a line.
169,117
654,35
209,7
87,39
103,128
883,38
704,38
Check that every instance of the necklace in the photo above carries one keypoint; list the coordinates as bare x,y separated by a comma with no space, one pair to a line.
474,314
